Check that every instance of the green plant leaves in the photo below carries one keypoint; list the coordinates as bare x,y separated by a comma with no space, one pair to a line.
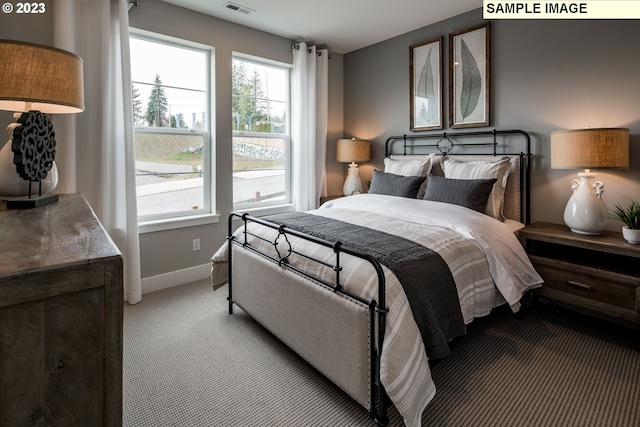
630,215
425,89
471,81
425,83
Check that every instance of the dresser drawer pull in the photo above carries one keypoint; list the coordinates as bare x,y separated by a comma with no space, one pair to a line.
580,285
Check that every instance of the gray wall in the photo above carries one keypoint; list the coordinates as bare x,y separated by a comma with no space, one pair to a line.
33,28
166,251
545,76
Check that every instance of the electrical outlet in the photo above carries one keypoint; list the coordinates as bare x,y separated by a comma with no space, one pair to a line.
196,245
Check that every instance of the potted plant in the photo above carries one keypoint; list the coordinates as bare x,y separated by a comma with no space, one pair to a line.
630,216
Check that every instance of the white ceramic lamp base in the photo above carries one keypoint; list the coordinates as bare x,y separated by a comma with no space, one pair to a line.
586,213
353,183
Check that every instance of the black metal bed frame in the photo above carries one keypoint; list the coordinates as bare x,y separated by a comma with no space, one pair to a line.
376,411
444,143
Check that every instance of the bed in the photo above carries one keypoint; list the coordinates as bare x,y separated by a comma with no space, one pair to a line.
369,287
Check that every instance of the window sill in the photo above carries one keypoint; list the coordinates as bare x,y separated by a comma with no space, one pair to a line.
173,223
266,210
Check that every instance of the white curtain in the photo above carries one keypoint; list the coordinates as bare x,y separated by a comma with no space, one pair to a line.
95,153
309,104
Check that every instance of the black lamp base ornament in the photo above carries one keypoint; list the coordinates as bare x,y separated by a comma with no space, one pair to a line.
31,202
34,149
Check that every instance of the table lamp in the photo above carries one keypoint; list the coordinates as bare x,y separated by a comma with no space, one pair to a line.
36,80
586,212
353,150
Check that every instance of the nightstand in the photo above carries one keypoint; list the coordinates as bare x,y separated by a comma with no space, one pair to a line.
600,274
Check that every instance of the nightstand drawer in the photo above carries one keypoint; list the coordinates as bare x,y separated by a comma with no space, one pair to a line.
599,285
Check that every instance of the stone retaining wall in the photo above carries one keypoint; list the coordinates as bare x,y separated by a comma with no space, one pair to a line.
273,151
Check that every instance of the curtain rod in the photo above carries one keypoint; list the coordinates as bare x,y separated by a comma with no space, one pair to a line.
297,47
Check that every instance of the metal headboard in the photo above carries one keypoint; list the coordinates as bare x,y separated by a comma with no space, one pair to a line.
445,142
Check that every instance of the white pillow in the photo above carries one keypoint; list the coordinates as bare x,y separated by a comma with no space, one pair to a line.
481,169
421,167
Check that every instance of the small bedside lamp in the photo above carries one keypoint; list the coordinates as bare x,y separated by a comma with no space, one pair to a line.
353,150
35,80
586,213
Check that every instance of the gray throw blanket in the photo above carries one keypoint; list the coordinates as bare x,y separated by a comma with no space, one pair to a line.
424,275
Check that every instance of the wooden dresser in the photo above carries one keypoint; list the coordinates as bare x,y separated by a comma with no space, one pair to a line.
598,273
60,317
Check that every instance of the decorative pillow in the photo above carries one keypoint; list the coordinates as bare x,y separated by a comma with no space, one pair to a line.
395,185
470,193
421,167
481,169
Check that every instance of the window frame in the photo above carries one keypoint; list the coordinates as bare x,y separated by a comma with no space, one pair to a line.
275,206
207,213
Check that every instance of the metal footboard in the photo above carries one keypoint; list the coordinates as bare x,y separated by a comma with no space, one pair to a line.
377,307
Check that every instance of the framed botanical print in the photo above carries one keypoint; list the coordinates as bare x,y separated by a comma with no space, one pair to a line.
469,66
425,87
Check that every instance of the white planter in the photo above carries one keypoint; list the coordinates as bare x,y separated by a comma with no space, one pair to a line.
631,235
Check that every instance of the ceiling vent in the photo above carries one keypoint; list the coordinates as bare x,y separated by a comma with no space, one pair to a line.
237,8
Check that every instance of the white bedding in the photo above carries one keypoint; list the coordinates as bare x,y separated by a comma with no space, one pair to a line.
454,232
509,264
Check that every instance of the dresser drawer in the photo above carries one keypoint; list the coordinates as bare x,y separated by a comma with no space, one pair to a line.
599,285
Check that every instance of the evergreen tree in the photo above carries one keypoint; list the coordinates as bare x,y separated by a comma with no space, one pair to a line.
158,107
137,105
247,109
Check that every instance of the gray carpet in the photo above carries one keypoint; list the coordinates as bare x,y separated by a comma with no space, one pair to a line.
188,363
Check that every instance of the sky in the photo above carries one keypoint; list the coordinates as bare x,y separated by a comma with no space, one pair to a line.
180,68
184,72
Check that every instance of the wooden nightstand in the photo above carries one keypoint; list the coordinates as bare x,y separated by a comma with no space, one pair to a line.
597,273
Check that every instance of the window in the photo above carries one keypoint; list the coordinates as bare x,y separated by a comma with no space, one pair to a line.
171,128
260,110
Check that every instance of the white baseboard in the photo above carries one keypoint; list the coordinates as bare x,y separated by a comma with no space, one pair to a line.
175,278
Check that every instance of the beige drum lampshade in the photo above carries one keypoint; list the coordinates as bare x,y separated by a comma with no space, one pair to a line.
42,78
586,212
590,148
35,80
353,150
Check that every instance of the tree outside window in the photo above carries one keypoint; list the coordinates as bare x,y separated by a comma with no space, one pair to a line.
260,133
172,143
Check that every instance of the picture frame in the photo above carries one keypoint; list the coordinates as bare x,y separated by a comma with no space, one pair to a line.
469,77
425,63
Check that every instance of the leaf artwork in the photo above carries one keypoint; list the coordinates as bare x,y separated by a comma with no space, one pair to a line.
425,88
425,83
471,81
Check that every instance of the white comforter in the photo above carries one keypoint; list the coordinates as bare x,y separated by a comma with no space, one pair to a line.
510,267
500,264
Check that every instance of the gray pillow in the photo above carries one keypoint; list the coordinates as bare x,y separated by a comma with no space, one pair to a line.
470,193
395,185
